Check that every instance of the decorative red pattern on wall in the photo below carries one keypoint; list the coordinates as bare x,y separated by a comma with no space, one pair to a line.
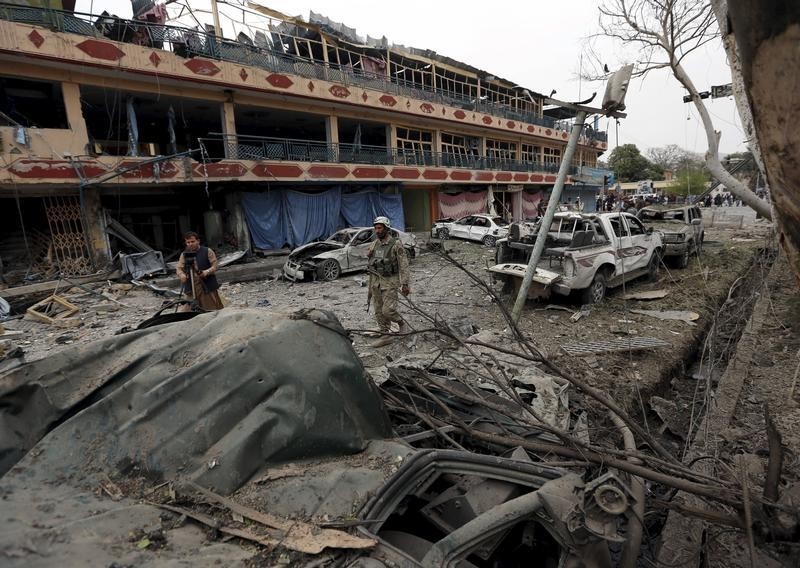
404,173
243,74
520,177
279,81
537,177
531,128
202,67
550,179
503,176
277,170
434,174
337,172
460,114
339,91
54,169
484,176
220,170
564,135
101,50
363,173
487,120
426,108
548,132
460,175
166,170
388,100
36,39
511,124
155,59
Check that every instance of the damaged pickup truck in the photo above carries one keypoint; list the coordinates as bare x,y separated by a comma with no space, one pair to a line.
120,452
584,253
344,251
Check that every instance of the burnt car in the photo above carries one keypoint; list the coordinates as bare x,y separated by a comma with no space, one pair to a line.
487,229
681,227
344,251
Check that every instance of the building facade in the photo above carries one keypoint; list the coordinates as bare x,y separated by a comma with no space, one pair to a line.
255,141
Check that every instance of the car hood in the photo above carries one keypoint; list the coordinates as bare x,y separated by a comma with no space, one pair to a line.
311,250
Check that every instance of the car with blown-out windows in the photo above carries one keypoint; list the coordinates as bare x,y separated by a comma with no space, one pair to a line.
484,228
344,251
681,228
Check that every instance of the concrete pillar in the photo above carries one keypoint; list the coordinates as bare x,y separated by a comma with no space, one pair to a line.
94,220
437,147
236,222
332,136
229,129
158,232
391,139
72,103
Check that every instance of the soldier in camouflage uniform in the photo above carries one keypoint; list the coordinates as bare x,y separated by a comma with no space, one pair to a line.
388,273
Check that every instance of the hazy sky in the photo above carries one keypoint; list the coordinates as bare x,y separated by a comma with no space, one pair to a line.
535,44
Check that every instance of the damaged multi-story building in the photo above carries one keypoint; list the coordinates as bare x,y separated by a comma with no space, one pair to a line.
118,134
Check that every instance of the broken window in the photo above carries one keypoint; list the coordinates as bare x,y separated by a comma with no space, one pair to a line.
530,154
32,104
143,124
552,156
501,150
414,145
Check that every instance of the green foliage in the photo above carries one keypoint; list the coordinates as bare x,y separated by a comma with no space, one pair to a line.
688,181
629,164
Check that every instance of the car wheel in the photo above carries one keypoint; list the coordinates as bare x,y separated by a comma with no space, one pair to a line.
443,234
596,292
489,240
329,270
683,260
654,266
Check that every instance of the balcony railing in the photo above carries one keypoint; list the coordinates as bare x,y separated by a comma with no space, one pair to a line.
258,148
187,43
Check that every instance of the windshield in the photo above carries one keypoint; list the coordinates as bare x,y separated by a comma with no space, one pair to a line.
499,221
652,215
341,237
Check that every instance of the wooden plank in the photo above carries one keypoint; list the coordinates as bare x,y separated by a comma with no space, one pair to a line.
51,285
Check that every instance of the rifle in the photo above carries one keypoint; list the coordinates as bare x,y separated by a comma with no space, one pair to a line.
369,295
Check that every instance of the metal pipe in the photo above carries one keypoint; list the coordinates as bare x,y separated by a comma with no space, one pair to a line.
633,542
552,206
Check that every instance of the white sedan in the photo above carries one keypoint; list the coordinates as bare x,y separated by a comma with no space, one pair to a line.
344,251
487,229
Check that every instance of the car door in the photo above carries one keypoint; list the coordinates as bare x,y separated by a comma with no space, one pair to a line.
640,243
479,229
357,249
622,241
697,227
461,227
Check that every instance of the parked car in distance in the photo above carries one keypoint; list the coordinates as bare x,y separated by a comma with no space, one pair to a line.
681,228
344,251
484,228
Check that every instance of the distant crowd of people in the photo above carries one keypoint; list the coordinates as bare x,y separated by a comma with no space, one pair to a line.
722,200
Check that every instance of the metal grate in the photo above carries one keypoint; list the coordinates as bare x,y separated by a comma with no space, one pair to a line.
620,344
68,237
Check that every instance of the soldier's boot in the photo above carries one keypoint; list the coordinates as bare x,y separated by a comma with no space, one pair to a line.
404,328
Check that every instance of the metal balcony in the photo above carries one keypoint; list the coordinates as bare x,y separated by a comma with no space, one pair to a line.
218,147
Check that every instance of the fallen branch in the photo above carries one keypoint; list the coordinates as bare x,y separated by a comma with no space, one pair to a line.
775,463
298,535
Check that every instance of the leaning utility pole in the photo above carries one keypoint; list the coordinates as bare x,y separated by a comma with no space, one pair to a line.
613,103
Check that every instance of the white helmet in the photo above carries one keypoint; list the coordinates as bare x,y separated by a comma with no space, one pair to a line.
382,221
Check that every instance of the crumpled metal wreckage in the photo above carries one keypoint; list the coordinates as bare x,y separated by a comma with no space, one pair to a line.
225,398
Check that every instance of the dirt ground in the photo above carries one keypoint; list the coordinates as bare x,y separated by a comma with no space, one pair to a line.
731,285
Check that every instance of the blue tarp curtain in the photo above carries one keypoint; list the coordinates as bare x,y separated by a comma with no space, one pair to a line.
286,217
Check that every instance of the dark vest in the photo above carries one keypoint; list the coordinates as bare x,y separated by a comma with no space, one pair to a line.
202,262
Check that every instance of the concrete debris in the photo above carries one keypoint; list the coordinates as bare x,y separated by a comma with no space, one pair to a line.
676,315
646,295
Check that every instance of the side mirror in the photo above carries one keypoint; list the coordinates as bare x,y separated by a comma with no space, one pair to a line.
649,230
696,221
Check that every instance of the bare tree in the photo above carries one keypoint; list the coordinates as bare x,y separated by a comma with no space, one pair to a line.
673,158
664,32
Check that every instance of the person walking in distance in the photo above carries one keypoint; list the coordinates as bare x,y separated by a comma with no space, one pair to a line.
200,264
388,274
